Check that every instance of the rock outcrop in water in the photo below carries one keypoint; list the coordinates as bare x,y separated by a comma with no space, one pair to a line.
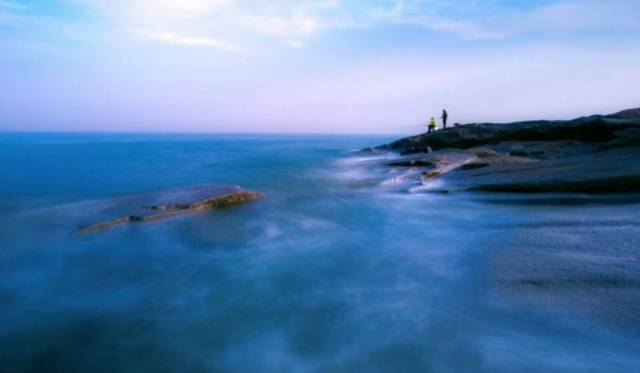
595,154
169,203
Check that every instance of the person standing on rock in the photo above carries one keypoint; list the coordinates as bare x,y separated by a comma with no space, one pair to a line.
445,115
432,125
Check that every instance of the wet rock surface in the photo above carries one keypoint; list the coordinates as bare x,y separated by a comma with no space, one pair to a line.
167,204
595,154
584,261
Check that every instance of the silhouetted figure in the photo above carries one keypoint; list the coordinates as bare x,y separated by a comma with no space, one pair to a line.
445,115
432,125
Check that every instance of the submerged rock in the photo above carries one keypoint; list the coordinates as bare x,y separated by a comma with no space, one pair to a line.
168,203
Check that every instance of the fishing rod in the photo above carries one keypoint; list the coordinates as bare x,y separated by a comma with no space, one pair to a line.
413,126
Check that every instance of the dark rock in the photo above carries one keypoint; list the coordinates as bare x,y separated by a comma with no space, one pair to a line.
432,174
626,114
169,203
372,150
485,153
596,154
611,171
595,128
473,166
412,163
624,138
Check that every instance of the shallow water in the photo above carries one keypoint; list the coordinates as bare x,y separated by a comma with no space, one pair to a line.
332,271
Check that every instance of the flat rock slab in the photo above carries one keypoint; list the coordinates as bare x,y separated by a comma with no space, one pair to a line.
168,203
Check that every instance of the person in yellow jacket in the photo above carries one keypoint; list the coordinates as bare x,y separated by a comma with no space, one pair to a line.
432,125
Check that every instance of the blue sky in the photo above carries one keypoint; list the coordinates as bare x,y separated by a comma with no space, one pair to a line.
311,65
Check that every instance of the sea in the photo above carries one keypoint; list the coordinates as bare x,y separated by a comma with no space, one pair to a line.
334,270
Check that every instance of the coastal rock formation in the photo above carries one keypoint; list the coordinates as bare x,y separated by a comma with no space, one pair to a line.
595,154
169,203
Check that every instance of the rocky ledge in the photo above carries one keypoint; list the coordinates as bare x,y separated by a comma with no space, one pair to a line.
595,154
167,204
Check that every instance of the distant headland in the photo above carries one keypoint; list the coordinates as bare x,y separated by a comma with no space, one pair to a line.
593,154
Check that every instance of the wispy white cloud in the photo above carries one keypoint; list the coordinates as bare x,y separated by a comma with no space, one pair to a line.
483,21
293,43
413,14
11,13
11,5
174,38
297,23
194,7
156,8
543,61
572,16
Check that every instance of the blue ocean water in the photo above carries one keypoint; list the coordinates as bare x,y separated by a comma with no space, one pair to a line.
329,272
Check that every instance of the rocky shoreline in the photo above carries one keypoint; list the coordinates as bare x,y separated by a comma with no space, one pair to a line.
594,154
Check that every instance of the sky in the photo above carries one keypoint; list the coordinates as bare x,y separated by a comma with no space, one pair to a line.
311,66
